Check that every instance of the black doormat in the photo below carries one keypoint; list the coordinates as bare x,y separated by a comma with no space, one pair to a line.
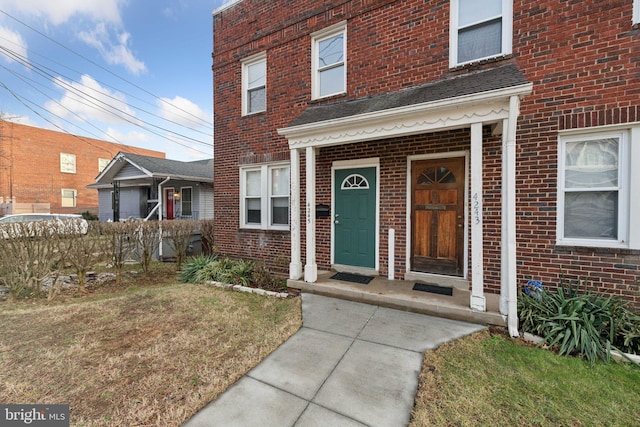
434,289
350,277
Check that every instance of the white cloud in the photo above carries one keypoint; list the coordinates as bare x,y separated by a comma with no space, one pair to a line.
15,118
129,138
115,52
90,101
12,41
102,18
181,110
60,11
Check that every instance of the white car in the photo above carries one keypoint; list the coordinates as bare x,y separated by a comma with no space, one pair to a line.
11,225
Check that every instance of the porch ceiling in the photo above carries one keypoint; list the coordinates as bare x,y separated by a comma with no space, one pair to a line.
481,97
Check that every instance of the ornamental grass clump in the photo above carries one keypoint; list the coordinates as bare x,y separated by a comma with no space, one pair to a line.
190,270
246,273
580,322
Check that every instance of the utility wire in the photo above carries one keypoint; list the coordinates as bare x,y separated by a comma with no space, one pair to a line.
25,102
94,102
100,66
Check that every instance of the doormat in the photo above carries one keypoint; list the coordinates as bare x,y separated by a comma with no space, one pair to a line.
434,289
350,277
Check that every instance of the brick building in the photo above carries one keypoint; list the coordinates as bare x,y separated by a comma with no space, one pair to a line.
44,167
478,144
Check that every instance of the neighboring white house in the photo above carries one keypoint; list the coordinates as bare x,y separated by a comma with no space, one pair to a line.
136,186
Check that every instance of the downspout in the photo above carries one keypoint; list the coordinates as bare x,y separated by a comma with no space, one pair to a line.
510,210
160,214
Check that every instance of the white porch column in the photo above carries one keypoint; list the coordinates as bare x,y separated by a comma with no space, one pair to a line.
478,301
508,277
295,267
311,268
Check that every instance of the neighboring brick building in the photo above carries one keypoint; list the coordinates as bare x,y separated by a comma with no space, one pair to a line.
39,166
484,143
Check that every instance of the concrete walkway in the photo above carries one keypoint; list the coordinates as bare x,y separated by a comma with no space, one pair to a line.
351,364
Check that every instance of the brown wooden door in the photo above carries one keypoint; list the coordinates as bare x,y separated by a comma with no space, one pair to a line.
437,216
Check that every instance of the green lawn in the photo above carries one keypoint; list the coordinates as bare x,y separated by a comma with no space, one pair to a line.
489,379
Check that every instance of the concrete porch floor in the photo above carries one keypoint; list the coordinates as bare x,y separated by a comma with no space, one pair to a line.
398,294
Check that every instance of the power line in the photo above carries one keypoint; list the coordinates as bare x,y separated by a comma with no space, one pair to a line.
24,102
100,66
83,97
93,102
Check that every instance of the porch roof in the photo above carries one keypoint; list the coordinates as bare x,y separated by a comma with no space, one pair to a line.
483,81
481,96
155,167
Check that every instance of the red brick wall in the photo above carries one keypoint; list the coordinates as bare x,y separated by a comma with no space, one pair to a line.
583,58
30,166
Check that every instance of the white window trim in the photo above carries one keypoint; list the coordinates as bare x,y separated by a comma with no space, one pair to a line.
75,197
636,12
265,197
316,38
628,231
69,156
507,33
260,57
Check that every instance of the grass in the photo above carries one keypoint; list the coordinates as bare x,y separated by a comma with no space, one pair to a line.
148,353
490,380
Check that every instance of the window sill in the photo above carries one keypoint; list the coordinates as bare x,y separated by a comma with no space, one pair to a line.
263,230
480,62
327,98
257,113
570,249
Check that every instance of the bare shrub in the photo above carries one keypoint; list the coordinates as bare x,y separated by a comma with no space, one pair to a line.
84,251
120,244
207,230
147,235
178,235
30,253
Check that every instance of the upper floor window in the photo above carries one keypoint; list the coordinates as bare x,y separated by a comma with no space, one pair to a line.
329,47
102,163
67,163
254,84
479,30
593,186
264,197
636,11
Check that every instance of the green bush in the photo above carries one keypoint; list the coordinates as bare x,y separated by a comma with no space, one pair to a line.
193,266
246,273
580,323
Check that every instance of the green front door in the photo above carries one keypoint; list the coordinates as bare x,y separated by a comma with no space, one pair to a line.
355,217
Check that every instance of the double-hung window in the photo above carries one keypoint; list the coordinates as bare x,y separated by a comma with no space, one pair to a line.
186,202
479,30
68,198
254,84
329,47
593,186
264,197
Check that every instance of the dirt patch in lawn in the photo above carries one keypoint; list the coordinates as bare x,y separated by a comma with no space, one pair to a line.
149,357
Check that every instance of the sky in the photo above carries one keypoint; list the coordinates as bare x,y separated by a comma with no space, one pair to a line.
135,72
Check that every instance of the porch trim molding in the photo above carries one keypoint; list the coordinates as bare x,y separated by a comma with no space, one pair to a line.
451,113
